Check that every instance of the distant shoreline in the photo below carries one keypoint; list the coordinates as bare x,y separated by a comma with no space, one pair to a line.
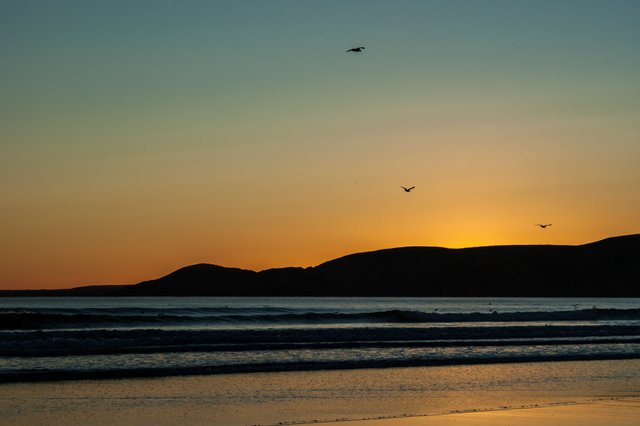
606,268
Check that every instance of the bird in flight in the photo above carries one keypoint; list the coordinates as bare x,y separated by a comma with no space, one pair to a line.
407,189
356,49
543,225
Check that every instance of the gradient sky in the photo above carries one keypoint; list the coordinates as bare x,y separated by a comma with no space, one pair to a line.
142,136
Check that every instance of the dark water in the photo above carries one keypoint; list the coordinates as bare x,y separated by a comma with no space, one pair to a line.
61,338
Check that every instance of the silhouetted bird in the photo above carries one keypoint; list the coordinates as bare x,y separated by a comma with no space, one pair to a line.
356,49
407,189
543,225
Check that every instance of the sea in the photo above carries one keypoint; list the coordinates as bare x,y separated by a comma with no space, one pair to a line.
92,338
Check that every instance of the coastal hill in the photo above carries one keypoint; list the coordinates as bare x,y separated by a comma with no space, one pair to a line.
607,268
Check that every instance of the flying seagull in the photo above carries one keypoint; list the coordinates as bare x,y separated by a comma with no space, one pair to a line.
543,225
356,49
407,189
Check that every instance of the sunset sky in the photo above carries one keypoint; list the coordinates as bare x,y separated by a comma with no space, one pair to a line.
141,136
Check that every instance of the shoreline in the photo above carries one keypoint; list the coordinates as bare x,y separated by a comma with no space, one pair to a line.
616,411
384,397
66,376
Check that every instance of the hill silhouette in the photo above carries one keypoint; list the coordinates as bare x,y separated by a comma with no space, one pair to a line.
607,268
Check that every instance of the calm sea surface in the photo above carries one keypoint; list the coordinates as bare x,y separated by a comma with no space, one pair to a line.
63,338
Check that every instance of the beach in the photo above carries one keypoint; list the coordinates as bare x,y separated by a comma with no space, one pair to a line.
350,213
616,412
537,393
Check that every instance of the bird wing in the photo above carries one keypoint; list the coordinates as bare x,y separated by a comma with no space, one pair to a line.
411,188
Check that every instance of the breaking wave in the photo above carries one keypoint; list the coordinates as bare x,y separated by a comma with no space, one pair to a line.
113,318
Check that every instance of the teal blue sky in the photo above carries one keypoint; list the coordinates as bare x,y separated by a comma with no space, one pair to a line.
140,136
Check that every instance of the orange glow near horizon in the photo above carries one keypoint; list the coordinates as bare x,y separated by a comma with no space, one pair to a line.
261,211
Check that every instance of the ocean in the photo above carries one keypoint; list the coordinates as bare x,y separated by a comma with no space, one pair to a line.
91,338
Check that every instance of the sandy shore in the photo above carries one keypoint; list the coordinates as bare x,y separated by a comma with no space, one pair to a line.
620,412
565,393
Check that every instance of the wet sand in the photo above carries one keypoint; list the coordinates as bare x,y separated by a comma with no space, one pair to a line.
621,412
423,393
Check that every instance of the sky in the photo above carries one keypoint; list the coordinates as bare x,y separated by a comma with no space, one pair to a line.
141,136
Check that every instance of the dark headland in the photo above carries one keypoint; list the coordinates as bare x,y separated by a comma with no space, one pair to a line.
607,268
